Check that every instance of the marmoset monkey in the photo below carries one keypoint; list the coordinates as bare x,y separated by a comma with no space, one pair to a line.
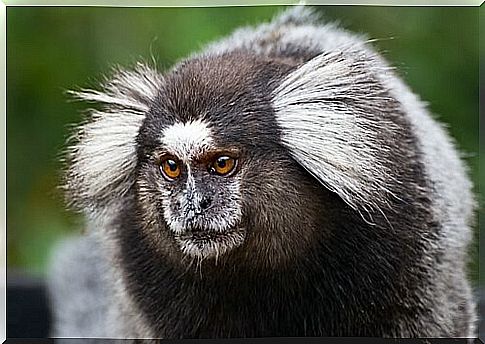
282,182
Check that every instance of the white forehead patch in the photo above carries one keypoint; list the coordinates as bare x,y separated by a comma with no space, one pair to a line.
187,140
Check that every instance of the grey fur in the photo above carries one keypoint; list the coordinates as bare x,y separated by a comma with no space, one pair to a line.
340,111
85,293
88,292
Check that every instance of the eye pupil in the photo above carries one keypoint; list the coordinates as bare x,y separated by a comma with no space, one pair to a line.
172,165
221,162
170,169
223,165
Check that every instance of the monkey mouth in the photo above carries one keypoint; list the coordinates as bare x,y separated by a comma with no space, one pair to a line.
209,243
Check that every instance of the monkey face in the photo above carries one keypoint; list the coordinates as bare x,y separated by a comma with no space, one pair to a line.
197,187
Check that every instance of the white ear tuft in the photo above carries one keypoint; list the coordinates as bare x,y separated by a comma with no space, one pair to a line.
103,159
330,114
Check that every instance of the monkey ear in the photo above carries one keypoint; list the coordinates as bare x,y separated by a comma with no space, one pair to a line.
332,115
102,159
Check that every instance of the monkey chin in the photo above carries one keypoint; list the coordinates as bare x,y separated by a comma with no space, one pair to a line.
203,243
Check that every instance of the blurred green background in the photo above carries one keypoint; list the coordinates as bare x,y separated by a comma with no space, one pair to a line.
52,49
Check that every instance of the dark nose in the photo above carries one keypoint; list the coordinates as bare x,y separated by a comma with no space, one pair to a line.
205,203
197,208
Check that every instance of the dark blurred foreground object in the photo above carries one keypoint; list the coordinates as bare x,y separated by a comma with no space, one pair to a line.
28,314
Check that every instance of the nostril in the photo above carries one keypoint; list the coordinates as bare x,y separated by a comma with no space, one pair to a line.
205,203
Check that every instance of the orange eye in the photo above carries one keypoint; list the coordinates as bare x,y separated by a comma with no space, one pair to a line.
170,168
223,165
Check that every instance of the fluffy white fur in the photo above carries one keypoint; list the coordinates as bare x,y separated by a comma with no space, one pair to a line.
94,177
334,141
187,140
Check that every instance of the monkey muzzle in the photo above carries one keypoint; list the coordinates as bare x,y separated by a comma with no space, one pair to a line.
208,226
206,236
